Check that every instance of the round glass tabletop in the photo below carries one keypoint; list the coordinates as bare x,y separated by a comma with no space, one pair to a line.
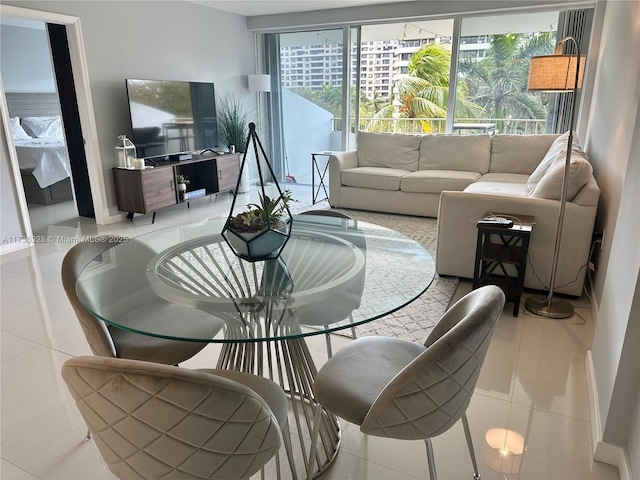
185,283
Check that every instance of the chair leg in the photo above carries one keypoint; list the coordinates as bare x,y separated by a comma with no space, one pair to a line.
353,329
327,339
88,437
467,434
430,459
314,440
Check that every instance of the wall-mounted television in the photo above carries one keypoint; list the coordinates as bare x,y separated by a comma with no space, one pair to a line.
171,117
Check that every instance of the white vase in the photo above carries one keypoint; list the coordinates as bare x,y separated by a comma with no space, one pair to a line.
182,187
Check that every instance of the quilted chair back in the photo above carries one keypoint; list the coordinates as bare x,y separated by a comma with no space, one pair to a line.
74,261
433,391
154,421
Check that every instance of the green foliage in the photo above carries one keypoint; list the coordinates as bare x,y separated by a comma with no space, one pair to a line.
268,213
425,94
233,121
499,81
183,179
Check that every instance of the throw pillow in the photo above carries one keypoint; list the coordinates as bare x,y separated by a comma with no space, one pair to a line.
557,151
17,132
43,126
550,185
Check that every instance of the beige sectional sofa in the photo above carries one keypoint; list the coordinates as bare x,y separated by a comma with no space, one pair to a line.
459,177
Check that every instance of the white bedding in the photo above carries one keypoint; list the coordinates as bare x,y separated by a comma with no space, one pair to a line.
47,157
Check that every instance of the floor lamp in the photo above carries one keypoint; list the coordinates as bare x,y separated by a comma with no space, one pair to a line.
557,73
260,83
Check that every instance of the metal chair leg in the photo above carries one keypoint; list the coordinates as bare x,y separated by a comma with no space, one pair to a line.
353,329
88,437
327,339
430,460
467,434
314,440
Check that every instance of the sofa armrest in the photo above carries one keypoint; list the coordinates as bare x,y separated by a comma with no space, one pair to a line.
457,234
338,162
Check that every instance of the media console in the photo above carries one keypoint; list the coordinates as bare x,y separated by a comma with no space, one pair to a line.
152,188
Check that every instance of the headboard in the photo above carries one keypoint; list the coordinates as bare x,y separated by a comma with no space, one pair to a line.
33,104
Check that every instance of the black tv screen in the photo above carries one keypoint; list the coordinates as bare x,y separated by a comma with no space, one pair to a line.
170,117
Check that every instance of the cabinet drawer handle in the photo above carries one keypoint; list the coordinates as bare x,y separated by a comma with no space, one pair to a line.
172,183
219,175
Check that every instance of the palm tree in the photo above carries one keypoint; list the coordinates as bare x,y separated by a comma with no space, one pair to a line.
499,82
424,93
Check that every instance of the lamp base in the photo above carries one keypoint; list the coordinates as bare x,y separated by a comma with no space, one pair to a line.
557,308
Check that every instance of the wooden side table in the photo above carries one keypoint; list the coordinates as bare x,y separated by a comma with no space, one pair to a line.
501,256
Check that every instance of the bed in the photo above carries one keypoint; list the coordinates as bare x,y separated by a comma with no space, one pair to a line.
42,153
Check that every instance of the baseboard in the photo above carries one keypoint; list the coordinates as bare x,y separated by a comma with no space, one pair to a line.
612,454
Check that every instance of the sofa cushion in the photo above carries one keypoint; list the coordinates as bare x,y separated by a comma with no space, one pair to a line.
435,181
518,153
373,177
388,150
504,178
557,150
550,186
498,188
469,153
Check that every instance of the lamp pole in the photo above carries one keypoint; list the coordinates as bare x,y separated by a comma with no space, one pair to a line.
548,306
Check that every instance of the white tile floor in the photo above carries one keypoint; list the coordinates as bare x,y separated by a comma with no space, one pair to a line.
532,383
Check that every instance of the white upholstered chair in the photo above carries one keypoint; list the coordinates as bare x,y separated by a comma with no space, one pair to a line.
399,389
152,421
108,341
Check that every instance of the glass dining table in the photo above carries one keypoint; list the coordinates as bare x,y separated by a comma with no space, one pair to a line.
333,274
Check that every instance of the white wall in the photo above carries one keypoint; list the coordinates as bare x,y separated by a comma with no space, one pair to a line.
613,144
171,40
25,60
10,220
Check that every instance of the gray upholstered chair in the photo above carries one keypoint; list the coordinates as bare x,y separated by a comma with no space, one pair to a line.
335,214
399,389
153,421
108,341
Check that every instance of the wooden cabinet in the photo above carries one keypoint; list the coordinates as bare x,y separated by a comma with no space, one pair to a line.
228,170
150,189
144,191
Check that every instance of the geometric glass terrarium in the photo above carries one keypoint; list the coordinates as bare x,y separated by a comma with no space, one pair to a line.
262,230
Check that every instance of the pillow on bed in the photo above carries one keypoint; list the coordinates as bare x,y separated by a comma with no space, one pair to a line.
43,126
17,131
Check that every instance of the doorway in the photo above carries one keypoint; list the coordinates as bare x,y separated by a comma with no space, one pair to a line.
83,121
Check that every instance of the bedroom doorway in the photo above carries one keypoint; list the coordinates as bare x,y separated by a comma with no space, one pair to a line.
78,119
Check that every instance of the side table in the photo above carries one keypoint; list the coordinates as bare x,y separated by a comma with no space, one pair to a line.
321,172
501,256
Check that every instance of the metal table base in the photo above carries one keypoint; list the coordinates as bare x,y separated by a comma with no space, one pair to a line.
289,363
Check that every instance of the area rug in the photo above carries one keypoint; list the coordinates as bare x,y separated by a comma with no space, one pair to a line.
415,321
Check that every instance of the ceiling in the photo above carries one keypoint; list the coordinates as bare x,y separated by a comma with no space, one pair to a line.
250,8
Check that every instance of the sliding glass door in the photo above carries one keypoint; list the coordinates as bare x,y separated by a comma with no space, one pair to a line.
309,69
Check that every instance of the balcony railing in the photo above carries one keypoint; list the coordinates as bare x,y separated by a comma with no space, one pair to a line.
513,126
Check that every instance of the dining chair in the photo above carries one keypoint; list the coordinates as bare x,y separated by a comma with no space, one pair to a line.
335,214
153,421
399,389
109,341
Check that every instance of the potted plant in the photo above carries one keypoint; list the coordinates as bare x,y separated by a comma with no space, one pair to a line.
233,121
182,181
261,231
